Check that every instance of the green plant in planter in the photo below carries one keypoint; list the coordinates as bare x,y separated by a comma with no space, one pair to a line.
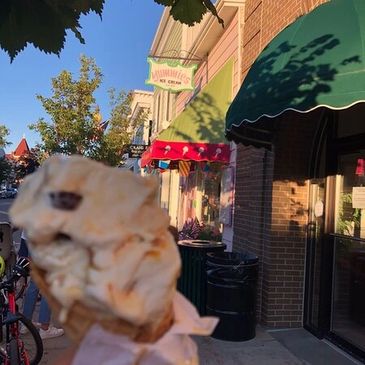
210,234
194,230
190,230
344,224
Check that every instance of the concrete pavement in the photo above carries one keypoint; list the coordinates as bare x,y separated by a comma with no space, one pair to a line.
53,349
264,349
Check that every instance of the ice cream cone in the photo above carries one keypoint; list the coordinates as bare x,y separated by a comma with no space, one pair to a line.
79,318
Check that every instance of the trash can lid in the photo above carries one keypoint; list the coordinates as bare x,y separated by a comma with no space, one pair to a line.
233,275
232,258
201,243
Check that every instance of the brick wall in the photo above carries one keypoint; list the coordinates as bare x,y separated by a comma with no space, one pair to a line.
284,283
271,215
277,235
252,216
264,19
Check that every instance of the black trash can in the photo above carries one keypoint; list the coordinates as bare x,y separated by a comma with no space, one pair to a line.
193,279
231,294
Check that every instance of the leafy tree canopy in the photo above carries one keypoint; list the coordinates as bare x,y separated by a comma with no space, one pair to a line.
5,170
25,165
76,125
44,23
4,132
5,166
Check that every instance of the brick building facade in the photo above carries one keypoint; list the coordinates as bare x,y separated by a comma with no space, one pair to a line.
295,199
271,186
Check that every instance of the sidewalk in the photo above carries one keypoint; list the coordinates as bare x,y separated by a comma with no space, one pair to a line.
288,347
53,349
262,350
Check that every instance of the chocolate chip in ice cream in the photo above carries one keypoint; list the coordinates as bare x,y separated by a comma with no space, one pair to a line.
65,200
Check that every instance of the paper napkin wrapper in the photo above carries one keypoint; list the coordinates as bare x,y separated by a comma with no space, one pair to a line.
175,347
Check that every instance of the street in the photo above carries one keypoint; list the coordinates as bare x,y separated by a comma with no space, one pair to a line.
4,207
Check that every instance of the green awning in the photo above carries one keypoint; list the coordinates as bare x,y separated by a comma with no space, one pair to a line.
318,61
203,120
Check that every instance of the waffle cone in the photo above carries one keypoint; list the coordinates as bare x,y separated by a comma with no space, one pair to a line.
81,317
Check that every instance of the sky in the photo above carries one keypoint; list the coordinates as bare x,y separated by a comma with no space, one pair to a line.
119,43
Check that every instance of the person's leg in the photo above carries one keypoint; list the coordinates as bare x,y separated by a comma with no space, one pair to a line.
44,314
23,249
46,330
30,299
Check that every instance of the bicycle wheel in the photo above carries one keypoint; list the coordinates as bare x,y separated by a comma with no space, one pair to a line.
13,352
33,344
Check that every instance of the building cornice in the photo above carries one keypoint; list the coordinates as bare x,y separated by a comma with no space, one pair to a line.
163,32
212,30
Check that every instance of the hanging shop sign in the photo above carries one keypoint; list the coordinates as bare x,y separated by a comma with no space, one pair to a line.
136,150
171,75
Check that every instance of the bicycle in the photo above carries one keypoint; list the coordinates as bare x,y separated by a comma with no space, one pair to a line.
8,252
16,351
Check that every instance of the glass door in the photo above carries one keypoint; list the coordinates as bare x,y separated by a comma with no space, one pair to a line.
314,254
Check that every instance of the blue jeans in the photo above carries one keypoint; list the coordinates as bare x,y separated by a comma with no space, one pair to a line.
23,249
30,300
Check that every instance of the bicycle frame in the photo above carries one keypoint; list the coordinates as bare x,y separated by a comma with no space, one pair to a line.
12,326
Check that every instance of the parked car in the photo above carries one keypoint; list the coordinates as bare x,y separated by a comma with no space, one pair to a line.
11,193
8,193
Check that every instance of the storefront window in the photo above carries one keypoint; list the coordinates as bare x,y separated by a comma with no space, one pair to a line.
201,195
350,186
211,197
348,294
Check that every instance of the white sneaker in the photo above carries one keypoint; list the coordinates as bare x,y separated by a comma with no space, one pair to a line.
22,329
51,332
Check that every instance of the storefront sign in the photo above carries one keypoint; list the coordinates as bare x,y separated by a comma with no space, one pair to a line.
170,75
358,197
136,150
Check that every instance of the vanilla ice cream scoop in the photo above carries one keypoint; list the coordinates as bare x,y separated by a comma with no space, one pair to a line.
99,238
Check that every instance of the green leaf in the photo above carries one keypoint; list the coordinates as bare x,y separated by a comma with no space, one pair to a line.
188,11
43,23
209,5
165,2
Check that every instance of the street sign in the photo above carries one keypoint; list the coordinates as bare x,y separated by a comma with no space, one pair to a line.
136,150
